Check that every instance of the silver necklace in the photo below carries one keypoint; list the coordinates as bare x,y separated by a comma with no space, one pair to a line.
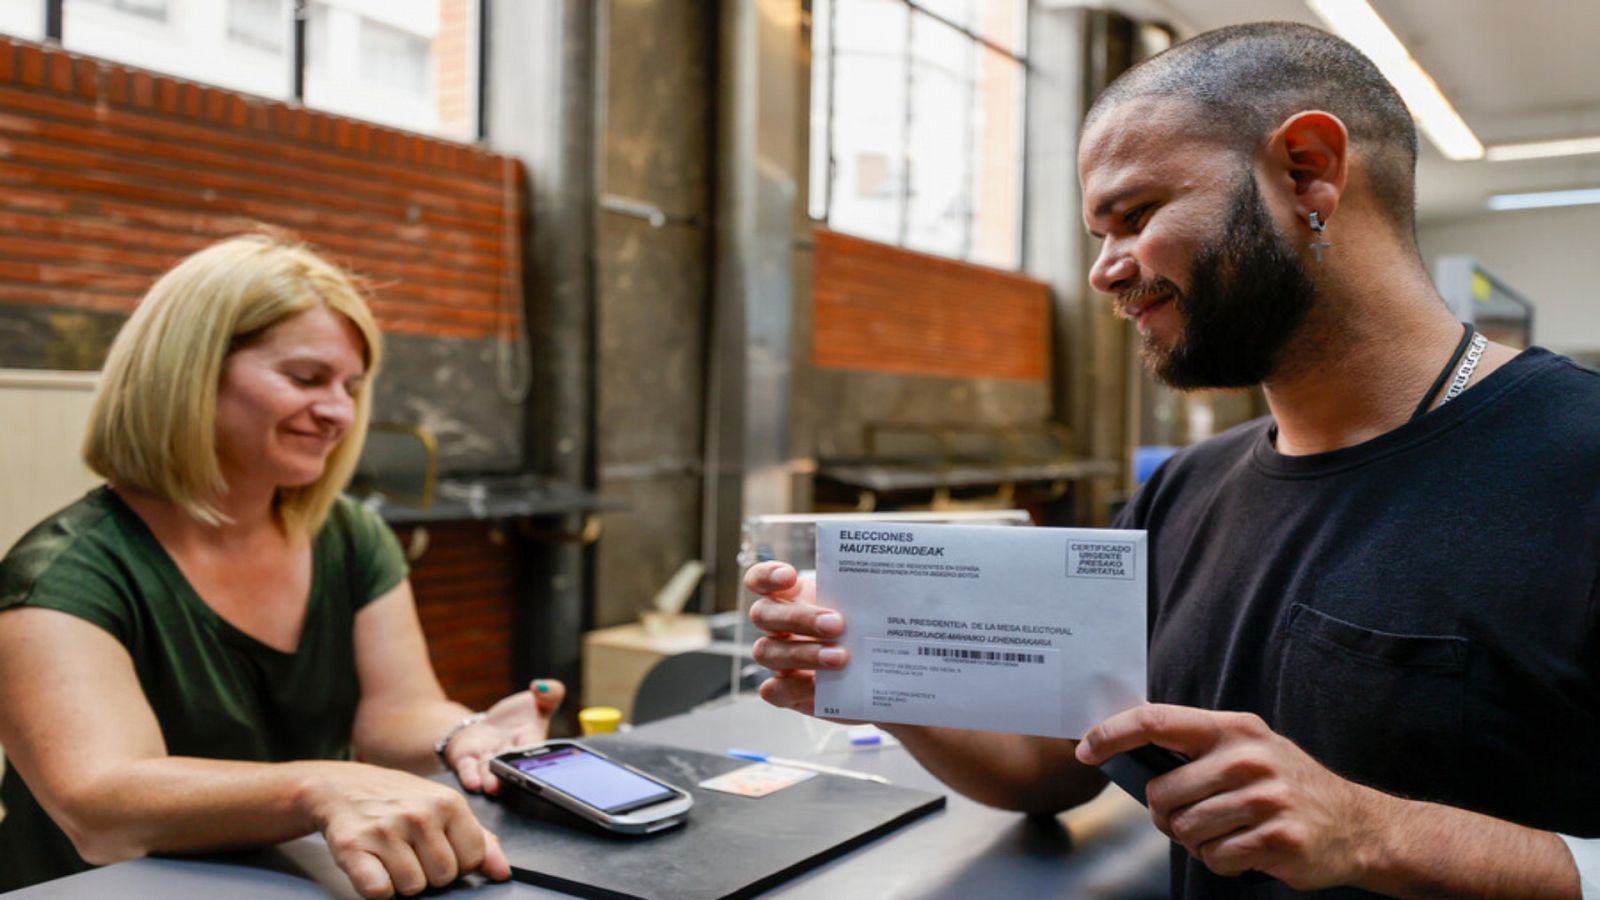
1464,374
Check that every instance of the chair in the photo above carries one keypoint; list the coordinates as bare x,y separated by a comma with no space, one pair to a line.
683,681
399,461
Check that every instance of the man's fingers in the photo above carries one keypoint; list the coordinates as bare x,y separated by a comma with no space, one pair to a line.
785,617
791,690
1200,823
1184,729
1237,774
1112,736
779,580
776,654
1238,852
771,577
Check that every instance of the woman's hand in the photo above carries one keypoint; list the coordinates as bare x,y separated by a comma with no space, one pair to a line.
392,832
516,721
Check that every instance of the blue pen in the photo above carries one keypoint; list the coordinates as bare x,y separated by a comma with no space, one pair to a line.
754,756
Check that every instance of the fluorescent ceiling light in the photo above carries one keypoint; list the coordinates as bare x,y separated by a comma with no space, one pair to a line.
1542,149
1545,199
1356,22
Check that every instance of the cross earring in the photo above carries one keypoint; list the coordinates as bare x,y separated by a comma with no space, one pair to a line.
1319,244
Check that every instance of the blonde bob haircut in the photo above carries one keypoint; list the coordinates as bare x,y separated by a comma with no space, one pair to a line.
153,425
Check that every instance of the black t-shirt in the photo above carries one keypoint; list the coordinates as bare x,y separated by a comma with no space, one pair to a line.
1417,612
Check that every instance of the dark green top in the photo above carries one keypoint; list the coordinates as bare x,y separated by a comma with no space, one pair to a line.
216,691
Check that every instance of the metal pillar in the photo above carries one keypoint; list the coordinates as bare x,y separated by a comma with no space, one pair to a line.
1073,54
758,206
539,97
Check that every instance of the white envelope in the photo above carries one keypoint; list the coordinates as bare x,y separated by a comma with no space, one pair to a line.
1027,630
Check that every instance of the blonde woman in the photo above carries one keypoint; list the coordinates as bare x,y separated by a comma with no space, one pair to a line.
190,654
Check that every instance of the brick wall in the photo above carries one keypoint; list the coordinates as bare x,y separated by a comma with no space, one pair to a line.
109,174
464,587
878,308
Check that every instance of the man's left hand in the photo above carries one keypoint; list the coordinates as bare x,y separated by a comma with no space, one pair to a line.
1249,799
516,721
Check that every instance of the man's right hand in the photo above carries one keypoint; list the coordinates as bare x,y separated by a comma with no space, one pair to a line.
393,832
799,634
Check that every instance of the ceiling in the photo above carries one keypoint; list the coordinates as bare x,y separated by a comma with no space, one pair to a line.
1516,71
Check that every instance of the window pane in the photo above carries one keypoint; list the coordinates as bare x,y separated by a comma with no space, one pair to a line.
997,165
154,10
926,124
1004,22
262,24
998,21
869,117
958,12
940,167
394,58
408,63
198,41
22,18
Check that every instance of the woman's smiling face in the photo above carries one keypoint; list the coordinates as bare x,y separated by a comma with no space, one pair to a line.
288,397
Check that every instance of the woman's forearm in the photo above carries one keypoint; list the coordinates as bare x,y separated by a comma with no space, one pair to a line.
402,734
184,804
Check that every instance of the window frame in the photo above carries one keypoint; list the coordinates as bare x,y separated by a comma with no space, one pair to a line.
300,11
979,43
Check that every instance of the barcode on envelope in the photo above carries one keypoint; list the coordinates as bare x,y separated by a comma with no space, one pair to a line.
980,655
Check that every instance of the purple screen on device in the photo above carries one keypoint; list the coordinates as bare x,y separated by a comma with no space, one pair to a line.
597,782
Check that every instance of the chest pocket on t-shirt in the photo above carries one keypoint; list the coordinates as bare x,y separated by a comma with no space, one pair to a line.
1383,709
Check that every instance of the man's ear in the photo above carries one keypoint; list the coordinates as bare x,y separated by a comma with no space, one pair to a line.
1312,150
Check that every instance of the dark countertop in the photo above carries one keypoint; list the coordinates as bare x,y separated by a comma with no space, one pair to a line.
492,497
885,477
1107,848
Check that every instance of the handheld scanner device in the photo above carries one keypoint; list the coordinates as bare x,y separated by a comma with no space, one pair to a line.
614,796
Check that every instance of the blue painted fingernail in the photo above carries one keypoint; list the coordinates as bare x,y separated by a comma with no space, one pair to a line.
541,687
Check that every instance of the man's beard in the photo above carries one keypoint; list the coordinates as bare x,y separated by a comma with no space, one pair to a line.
1248,296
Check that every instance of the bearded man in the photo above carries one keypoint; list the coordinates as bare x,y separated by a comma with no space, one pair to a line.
1373,614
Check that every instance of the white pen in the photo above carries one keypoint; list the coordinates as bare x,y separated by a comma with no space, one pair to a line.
803,764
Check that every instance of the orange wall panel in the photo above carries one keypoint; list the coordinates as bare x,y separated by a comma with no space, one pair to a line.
885,309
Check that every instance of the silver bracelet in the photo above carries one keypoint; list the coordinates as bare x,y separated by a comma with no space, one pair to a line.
443,743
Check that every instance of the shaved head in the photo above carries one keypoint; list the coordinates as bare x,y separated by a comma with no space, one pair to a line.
1244,81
